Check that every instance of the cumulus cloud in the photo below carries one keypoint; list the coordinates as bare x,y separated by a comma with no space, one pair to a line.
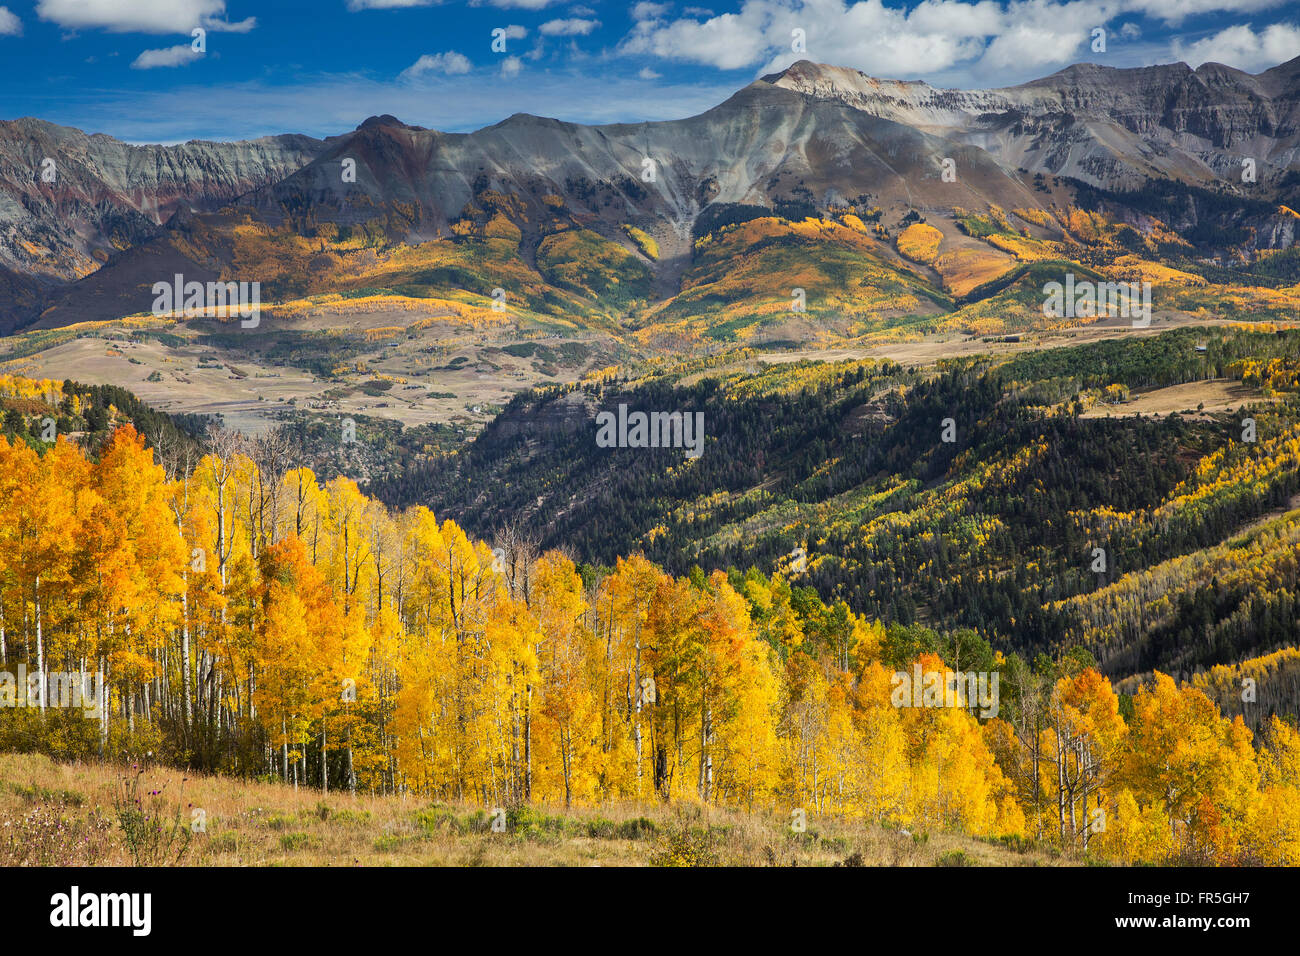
1176,11
1242,47
888,41
729,41
1037,42
568,28
182,55
983,36
648,74
10,25
141,16
511,66
450,63
645,10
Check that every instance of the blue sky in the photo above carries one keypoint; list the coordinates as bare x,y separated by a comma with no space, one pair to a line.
127,67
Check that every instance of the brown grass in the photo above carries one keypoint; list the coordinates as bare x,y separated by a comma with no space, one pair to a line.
1212,395
63,814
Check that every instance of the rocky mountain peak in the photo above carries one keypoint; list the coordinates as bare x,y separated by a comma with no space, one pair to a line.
387,119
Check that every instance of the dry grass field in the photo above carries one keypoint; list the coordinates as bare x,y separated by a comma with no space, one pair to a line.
56,814
1192,399
439,378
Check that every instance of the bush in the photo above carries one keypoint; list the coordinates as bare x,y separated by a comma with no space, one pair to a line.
436,818
349,816
685,846
1015,842
956,858
527,821
638,829
38,794
294,841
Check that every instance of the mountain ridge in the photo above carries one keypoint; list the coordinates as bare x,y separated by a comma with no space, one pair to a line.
812,137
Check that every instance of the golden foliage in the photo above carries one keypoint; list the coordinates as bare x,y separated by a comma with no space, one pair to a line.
920,242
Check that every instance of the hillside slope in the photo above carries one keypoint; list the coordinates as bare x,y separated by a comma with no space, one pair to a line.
394,206
995,530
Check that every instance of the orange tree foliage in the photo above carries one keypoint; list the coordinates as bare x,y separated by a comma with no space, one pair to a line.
248,619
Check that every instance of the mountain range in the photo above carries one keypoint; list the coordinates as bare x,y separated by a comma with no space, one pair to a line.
688,226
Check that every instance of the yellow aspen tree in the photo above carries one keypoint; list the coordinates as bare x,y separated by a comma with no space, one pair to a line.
561,667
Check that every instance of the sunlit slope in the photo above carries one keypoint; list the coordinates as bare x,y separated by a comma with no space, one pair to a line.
997,529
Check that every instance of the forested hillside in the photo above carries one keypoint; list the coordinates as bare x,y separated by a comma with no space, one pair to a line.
245,618
997,529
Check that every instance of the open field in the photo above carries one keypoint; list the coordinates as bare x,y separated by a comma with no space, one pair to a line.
64,814
1192,398
934,348
929,349
431,375
377,364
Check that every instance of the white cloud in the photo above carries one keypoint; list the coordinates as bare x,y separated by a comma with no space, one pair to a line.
648,74
1243,48
1036,45
450,63
1176,11
511,66
730,41
515,32
10,25
987,38
355,5
645,10
519,4
141,16
182,55
568,28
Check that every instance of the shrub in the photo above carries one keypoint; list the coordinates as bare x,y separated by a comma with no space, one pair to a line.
294,841
956,858
38,794
436,817
1015,842
638,829
685,846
